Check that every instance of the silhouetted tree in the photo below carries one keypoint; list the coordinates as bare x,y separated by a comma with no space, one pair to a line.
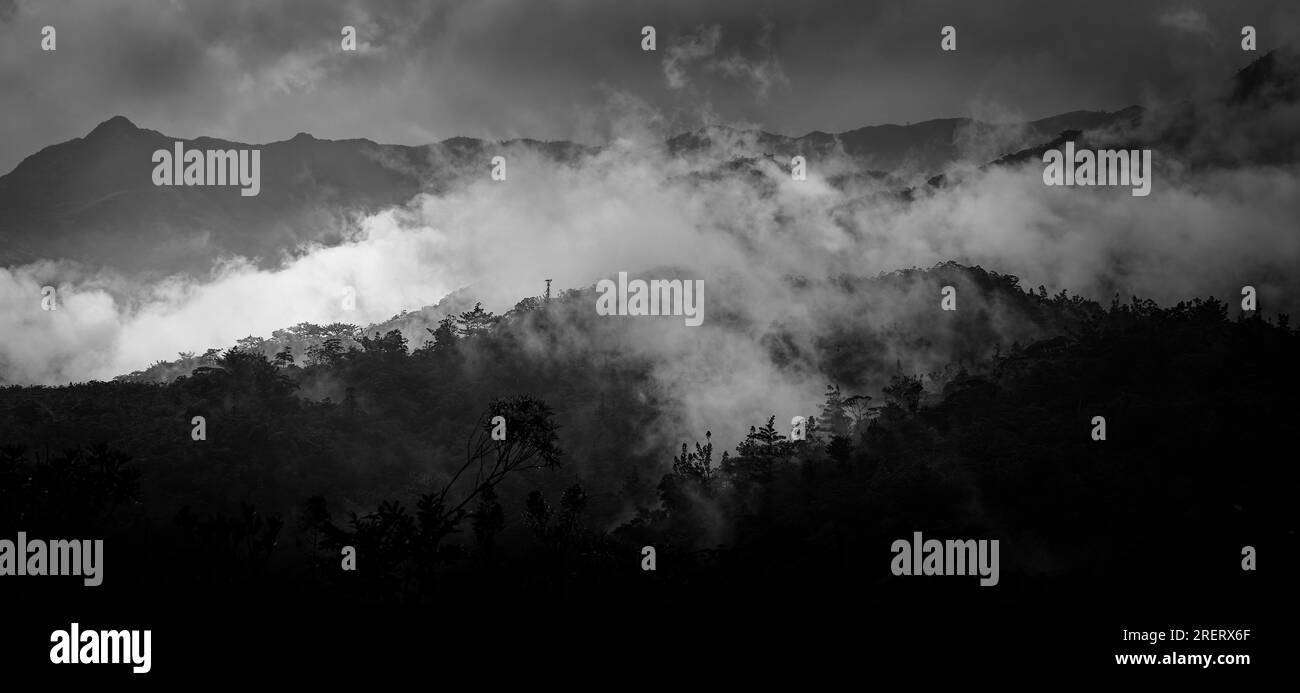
834,414
327,353
391,344
444,338
475,322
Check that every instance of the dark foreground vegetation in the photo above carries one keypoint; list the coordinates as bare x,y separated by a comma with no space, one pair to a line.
251,523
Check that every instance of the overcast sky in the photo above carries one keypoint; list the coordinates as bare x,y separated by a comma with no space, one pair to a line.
261,70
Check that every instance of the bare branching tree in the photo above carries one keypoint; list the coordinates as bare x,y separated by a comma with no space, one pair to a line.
407,549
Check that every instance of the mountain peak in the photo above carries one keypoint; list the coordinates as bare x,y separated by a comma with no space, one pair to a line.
1274,75
116,124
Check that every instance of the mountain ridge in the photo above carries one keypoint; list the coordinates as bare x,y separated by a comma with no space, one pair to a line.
90,200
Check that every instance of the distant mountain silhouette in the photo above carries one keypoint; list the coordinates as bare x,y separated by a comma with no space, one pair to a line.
1272,77
92,200
1252,122
927,146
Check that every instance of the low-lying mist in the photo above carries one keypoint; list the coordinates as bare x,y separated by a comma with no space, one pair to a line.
729,215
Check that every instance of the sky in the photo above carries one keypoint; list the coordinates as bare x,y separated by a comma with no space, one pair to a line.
259,71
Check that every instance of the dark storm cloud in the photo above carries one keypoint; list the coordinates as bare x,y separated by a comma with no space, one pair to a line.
260,71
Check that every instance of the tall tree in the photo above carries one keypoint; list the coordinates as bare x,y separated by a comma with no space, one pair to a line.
475,322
